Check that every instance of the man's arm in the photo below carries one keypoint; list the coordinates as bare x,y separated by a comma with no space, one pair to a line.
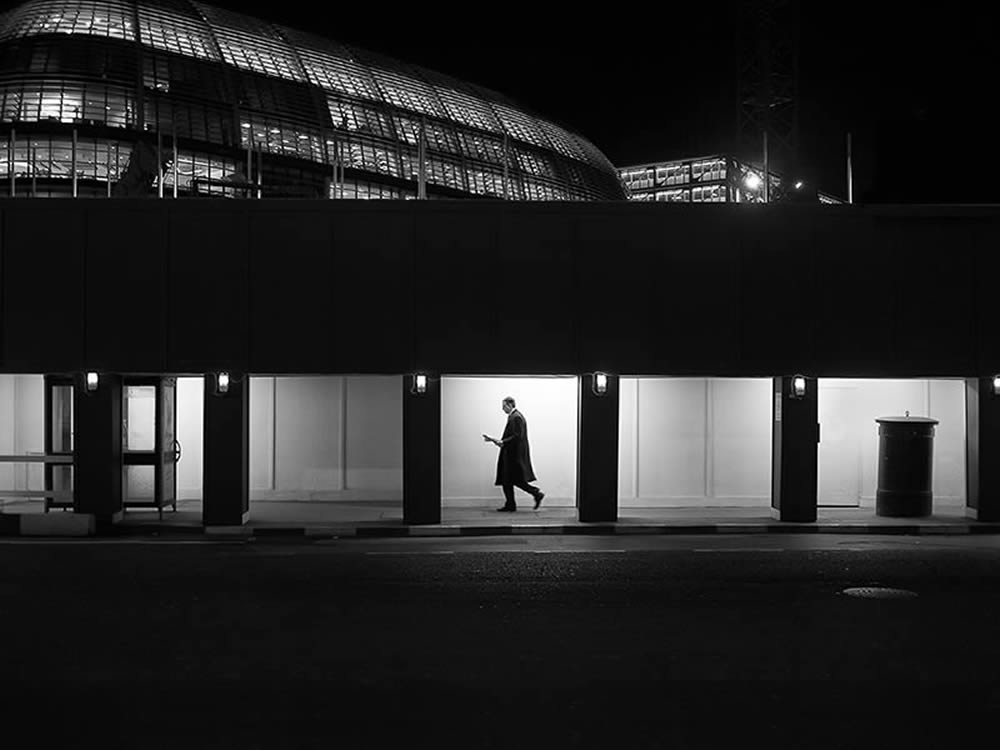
517,429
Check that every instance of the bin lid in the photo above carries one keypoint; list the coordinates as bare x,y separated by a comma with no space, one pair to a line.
905,420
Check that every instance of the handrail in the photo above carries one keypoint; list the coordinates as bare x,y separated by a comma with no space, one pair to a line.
37,459
54,494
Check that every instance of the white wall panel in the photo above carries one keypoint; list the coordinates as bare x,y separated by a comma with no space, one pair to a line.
698,441
308,415
947,405
471,407
840,459
374,433
672,438
190,434
741,438
326,438
849,435
628,390
29,428
262,433
708,442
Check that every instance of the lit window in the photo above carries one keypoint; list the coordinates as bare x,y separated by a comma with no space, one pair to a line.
407,92
359,116
481,146
468,110
331,66
251,44
176,30
520,126
439,136
107,18
563,142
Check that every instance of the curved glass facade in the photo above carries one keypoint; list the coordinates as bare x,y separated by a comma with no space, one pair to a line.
132,98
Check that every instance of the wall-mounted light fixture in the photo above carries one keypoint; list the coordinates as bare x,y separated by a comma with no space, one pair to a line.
752,181
92,382
799,386
600,383
996,385
419,383
222,383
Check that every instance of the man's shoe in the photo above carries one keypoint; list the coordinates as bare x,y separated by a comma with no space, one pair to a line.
505,509
538,499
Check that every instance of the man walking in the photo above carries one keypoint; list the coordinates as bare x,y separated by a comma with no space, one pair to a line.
514,462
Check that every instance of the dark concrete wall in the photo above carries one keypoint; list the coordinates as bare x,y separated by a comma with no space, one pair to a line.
982,435
422,452
97,455
597,451
795,436
191,286
226,472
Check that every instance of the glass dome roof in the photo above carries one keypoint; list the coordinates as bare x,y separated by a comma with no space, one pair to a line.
219,83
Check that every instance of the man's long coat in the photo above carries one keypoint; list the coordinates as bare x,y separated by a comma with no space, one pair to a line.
514,461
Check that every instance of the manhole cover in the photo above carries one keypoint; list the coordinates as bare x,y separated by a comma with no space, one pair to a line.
879,592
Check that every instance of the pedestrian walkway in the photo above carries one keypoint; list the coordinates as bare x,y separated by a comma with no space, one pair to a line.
385,518
371,518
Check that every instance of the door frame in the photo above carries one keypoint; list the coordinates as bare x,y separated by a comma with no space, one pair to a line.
161,452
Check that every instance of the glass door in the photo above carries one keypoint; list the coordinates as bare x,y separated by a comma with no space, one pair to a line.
58,442
168,448
149,446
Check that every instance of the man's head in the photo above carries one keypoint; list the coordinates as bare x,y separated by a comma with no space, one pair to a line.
508,404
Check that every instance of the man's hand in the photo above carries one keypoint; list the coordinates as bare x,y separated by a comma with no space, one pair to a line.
489,439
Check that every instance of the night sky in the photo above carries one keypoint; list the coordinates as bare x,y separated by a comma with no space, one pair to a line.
914,83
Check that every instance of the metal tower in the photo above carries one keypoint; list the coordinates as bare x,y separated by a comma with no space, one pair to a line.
767,36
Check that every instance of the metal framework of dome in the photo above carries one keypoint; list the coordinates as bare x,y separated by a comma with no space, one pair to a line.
131,97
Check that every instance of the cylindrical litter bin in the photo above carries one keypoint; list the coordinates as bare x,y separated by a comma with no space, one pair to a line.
905,466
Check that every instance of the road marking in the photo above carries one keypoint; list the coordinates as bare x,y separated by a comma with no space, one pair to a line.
521,551
737,549
572,551
419,552
157,542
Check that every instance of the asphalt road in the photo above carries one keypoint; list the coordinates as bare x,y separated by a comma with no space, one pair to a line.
659,642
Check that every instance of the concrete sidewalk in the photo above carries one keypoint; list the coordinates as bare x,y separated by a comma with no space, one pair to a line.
318,520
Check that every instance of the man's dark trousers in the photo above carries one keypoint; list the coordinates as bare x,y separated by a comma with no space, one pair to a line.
508,492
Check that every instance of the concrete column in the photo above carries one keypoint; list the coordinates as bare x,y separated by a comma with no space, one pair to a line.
982,443
794,451
97,448
597,452
421,451
226,472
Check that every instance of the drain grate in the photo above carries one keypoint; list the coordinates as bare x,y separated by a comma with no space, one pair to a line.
879,592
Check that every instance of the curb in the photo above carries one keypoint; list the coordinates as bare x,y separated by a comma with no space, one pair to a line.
650,529
48,524
76,525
